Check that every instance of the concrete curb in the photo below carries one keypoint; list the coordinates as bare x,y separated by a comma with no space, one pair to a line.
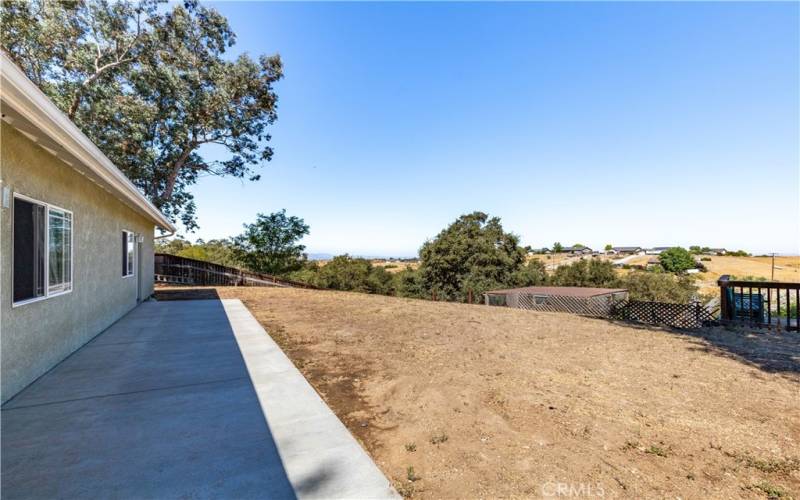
321,458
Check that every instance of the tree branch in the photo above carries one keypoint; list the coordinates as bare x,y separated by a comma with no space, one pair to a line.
76,100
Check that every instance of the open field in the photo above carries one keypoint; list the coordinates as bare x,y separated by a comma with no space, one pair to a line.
395,267
390,266
464,401
786,269
551,261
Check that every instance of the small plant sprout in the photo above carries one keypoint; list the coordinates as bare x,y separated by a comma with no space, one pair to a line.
656,450
438,439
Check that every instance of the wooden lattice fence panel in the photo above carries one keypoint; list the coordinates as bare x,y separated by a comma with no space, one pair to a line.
600,306
605,306
663,313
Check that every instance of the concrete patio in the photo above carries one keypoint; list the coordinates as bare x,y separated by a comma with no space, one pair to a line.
183,399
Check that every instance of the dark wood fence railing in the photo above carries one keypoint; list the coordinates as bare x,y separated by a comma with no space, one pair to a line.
769,304
184,271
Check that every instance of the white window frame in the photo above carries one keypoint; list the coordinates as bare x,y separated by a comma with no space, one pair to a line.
47,293
128,235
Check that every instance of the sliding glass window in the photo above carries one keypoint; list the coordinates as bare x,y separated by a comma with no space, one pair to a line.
60,251
42,252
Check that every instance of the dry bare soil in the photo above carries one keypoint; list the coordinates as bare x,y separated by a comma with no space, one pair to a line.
460,401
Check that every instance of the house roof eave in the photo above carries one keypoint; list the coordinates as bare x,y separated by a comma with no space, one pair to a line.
26,108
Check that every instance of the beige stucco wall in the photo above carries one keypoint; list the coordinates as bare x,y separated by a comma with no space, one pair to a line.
36,336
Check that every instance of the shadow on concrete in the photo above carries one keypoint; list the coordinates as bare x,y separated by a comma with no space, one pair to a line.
186,293
160,405
769,351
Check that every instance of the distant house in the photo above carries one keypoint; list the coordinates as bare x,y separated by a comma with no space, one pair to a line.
577,250
655,250
539,251
77,236
717,251
626,250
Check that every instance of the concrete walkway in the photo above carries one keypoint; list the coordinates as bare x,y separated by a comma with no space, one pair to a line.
185,399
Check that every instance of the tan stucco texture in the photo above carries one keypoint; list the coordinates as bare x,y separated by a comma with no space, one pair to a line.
34,337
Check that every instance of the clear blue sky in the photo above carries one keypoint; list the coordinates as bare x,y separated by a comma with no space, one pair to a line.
628,123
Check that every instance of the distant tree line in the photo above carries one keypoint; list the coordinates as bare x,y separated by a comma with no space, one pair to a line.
470,256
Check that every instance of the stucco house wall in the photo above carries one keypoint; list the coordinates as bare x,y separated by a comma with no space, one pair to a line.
36,336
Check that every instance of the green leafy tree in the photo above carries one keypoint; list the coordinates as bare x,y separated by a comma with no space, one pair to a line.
591,273
695,250
608,247
408,283
676,260
344,272
151,87
216,251
172,245
473,254
558,247
270,244
531,274
659,287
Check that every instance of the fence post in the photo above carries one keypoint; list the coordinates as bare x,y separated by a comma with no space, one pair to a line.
724,307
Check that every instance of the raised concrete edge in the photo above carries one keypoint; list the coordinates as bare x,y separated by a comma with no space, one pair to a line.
320,456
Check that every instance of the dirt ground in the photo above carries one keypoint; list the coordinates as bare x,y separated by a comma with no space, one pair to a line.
460,401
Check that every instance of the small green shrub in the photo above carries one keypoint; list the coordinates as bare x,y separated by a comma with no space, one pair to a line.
656,450
439,438
676,260
772,491
659,287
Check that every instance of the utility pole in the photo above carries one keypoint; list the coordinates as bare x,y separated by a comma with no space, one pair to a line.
773,267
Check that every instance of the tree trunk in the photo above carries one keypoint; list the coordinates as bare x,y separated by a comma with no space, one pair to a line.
173,175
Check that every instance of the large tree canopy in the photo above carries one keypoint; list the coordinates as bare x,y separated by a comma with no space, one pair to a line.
151,87
676,260
474,254
270,244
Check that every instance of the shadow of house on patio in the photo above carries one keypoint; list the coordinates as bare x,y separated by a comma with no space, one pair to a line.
174,292
160,405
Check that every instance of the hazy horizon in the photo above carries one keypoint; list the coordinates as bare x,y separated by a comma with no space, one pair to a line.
649,124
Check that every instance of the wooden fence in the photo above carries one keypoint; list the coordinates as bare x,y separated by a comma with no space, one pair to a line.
176,270
599,306
611,306
663,313
767,304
